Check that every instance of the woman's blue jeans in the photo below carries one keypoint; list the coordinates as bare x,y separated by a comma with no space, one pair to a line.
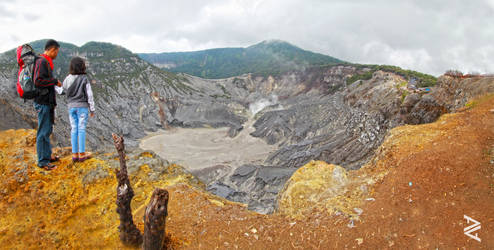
78,121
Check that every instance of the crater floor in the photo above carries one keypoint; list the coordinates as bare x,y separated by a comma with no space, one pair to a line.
201,148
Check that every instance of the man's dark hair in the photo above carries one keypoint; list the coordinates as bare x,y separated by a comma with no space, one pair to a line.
77,66
51,43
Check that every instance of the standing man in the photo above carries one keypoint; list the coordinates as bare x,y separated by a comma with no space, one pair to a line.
45,103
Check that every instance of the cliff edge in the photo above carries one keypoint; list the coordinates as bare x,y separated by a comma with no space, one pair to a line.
413,193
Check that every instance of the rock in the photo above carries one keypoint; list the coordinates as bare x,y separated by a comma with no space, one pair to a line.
425,111
232,132
258,186
95,174
316,185
20,154
220,189
359,211
351,224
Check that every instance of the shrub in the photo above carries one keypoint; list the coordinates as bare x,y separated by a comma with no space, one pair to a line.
423,80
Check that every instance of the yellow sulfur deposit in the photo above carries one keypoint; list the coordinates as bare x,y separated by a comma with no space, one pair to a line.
71,207
310,185
323,187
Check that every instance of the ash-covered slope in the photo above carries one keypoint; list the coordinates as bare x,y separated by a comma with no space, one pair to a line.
318,116
321,206
310,114
343,128
131,95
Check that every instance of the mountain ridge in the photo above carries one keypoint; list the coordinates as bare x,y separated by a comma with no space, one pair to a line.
317,113
269,57
120,82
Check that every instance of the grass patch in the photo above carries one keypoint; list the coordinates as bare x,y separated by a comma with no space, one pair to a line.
404,95
402,84
423,80
471,104
364,76
475,102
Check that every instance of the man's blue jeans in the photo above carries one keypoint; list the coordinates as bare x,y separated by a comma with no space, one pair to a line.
78,121
45,128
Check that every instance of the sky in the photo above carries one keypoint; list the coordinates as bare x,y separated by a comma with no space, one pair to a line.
430,36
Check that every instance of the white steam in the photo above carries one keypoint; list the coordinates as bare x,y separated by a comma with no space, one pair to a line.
262,103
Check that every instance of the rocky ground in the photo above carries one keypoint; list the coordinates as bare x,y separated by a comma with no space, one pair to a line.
320,119
414,193
312,114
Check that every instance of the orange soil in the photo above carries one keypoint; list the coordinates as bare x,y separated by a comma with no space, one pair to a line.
447,163
450,173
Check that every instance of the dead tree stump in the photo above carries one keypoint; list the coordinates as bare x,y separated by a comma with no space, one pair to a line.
129,234
154,220
156,210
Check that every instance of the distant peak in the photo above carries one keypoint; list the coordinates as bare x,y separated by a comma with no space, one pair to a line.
273,41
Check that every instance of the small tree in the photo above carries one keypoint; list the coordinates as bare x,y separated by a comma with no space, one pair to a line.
454,73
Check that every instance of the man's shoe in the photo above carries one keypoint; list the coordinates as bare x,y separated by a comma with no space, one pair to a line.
48,167
54,159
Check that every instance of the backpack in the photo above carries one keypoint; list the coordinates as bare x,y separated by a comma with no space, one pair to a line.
26,59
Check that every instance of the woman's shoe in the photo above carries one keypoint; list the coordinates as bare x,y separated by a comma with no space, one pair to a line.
85,156
75,157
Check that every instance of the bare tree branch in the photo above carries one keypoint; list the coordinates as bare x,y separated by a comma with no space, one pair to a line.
129,234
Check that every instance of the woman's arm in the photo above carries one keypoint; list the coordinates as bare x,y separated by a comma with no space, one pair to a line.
90,98
62,89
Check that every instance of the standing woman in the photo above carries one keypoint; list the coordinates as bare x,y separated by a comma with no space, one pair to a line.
80,104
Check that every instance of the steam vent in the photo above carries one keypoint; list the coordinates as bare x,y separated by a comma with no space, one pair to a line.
265,147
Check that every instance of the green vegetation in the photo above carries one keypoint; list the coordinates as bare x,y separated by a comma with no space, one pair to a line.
225,92
402,84
112,65
470,104
403,95
265,58
216,96
106,50
423,80
364,76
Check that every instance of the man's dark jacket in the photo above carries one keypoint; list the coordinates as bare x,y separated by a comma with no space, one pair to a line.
44,80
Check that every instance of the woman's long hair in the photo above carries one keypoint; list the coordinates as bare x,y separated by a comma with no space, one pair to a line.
77,66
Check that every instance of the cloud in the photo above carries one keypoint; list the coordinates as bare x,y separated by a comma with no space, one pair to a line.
5,12
428,36
31,17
